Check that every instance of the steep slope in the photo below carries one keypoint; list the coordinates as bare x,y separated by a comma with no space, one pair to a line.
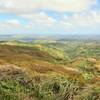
9,52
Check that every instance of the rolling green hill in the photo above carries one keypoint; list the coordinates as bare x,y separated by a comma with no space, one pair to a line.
60,70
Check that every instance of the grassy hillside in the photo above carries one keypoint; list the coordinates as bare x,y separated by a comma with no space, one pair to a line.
60,70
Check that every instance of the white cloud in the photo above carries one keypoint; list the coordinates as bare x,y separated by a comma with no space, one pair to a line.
10,24
82,16
28,6
13,22
89,19
39,19
43,23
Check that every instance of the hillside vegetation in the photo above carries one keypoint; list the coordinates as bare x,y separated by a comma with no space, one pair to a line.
58,70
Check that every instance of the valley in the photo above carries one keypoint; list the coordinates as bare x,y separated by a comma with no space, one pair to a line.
50,70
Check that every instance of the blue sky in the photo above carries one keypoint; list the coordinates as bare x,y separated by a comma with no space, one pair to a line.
49,17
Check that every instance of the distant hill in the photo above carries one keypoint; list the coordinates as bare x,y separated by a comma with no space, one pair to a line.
46,37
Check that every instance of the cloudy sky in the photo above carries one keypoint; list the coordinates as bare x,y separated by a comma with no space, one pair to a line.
50,16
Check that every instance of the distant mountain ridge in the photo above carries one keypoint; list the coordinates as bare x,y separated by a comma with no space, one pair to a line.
31,37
